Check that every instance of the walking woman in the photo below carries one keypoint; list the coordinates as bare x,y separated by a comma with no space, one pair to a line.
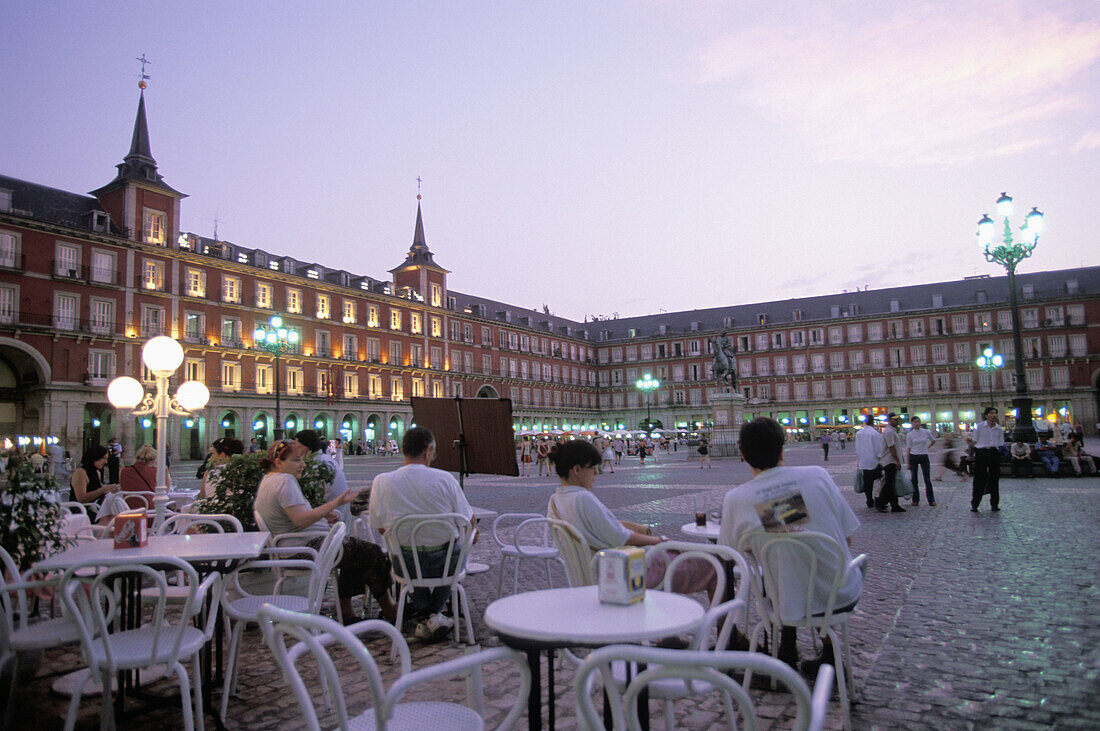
704,454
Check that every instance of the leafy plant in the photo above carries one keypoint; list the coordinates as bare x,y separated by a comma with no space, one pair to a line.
30,515
240,477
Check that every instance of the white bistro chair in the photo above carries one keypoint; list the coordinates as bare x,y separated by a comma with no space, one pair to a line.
524,536
292,637
704,674
408,534
93,606
804,549
244,607
575,553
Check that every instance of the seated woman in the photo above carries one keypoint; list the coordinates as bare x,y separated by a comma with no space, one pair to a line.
221,450
86,483
283,507
1075,455
141,476
573,502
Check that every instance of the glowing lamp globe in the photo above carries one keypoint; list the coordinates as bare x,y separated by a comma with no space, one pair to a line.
276,321
1004,205
125,392
985,231
192,395
162,354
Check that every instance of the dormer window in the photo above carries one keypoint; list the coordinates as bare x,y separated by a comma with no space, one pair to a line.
895,306
5,200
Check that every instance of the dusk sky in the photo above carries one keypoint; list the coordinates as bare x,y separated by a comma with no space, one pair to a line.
599,157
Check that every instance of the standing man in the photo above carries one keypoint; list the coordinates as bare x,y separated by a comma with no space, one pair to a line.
891,463
917,443
825,441
416,488
311,440
114,460
988,439
543,453
823,510
868,449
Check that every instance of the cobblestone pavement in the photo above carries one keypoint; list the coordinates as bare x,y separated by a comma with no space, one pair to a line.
968,620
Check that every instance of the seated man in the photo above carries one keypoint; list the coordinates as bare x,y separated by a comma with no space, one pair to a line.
418,489
1021,459
821,509
1048,455
1075,455
574,503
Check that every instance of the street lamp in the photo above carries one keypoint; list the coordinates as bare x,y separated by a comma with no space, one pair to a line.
162,355
989,362
647,384
276,339
1009,253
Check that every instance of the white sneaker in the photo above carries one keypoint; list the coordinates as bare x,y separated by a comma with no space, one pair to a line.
434,628
439,621
422,631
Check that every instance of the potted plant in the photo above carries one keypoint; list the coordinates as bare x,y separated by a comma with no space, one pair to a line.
30,515
240,477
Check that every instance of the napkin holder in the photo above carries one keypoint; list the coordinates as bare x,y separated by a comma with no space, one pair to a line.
621,575
132,529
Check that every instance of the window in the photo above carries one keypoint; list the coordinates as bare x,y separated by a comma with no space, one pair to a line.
920,384
351,384
839,389
417,387
152,275
761,341
964,382
916,328
264,378
820,390
101,364
939,326
917,355
1054,317
231,289
324,310
836,361
798,363
836,335
959,324
798,338
65,309
435,295
1059,377
1077,346
349,312
859,388
415,325
898,385
264,295
874,331
295,377
395,352
896,332
397,388
800,391
878,387
855,358
1034,377
780,364
374,386
152,320
1030,317
351,347
437,360
782,392
194,325
194,282
323,343
231,332
777,340
939,353
762,366
154,227
1032,348
374,350
855,333
895,306
8,298
1056,346
437,330
982,322
294,301
1075,314
764,391
877,359
817,336
9,250
897,357
817,362
194,369
324,383
962,352
231,375
1004,320
68,261
101,318
103,267
395,320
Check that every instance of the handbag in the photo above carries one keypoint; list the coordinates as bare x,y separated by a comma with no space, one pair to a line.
859,481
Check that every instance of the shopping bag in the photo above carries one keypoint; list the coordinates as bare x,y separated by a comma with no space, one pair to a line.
859,481
902,486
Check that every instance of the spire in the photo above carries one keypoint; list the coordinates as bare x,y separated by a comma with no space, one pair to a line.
419,254
419,243
139,165
140,152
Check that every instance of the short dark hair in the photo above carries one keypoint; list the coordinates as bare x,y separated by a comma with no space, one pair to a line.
228,446
913,418
869,419
988,409
309,439
576,453
761,442
416,441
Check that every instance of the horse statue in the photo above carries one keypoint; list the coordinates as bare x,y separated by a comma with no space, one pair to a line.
724,364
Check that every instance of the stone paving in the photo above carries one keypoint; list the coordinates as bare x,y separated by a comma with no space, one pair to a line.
968,620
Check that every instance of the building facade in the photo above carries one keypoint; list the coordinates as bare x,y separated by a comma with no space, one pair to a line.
86,279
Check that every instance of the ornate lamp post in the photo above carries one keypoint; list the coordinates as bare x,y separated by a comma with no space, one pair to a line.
647,384
162,355
276,339
989,362
1009,253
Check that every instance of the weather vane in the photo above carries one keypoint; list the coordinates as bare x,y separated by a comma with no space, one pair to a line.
418,182
143,77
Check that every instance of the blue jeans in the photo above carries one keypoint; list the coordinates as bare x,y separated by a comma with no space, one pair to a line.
920,460
425,602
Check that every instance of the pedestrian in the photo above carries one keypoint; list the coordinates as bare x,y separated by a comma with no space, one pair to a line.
825,441
918,442
114,460
619,448
253,446
608,457
868,448
543,454
641,452
704,454
891,465
525,456
988,438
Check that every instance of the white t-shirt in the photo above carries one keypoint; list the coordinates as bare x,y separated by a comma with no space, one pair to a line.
890,438
868,448
416,489
795,498
584,511
277,492
917,441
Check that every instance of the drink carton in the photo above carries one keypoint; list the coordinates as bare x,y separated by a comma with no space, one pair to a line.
621,576
132,529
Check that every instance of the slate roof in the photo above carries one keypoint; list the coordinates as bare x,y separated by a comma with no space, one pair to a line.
52,205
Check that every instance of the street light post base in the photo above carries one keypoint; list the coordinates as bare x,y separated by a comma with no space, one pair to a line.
1024,430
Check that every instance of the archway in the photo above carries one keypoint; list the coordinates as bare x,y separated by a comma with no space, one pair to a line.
292,423
487,391
395,432
262,425
323,424
349,429
191,438
229,424
373,431
98,421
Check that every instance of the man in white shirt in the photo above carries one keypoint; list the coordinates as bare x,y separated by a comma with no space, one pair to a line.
418,489
989,437
917,443
868,448
811,501
891,464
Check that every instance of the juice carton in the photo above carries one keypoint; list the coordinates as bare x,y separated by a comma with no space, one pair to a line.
132,529
621,576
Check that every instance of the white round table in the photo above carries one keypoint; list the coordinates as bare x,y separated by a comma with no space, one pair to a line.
549,619
708,531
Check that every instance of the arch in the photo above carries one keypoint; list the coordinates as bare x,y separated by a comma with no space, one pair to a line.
191,431
292,424
263,428
395,430
26,356
229,424
373,430
322,422
348,427
487,391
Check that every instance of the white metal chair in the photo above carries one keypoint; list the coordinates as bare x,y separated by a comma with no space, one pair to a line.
18,634
703,674
575,553
138,499
180,524
407,534
76,523
94,608
295,538
311,635
245,607
524,536
787,598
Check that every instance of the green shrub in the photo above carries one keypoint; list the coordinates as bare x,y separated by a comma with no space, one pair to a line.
30,515
240,478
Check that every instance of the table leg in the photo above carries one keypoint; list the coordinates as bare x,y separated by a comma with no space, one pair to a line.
534,696
550,697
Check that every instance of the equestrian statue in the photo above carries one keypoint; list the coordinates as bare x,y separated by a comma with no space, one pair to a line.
724,364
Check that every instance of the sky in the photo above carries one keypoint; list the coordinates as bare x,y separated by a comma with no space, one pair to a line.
608,158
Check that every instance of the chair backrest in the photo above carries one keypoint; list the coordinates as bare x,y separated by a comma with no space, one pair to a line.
574,551
260,524
517,530
360,528
94,604
113,504
710,668
294,635
405,554
802,572
137,499
182,523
